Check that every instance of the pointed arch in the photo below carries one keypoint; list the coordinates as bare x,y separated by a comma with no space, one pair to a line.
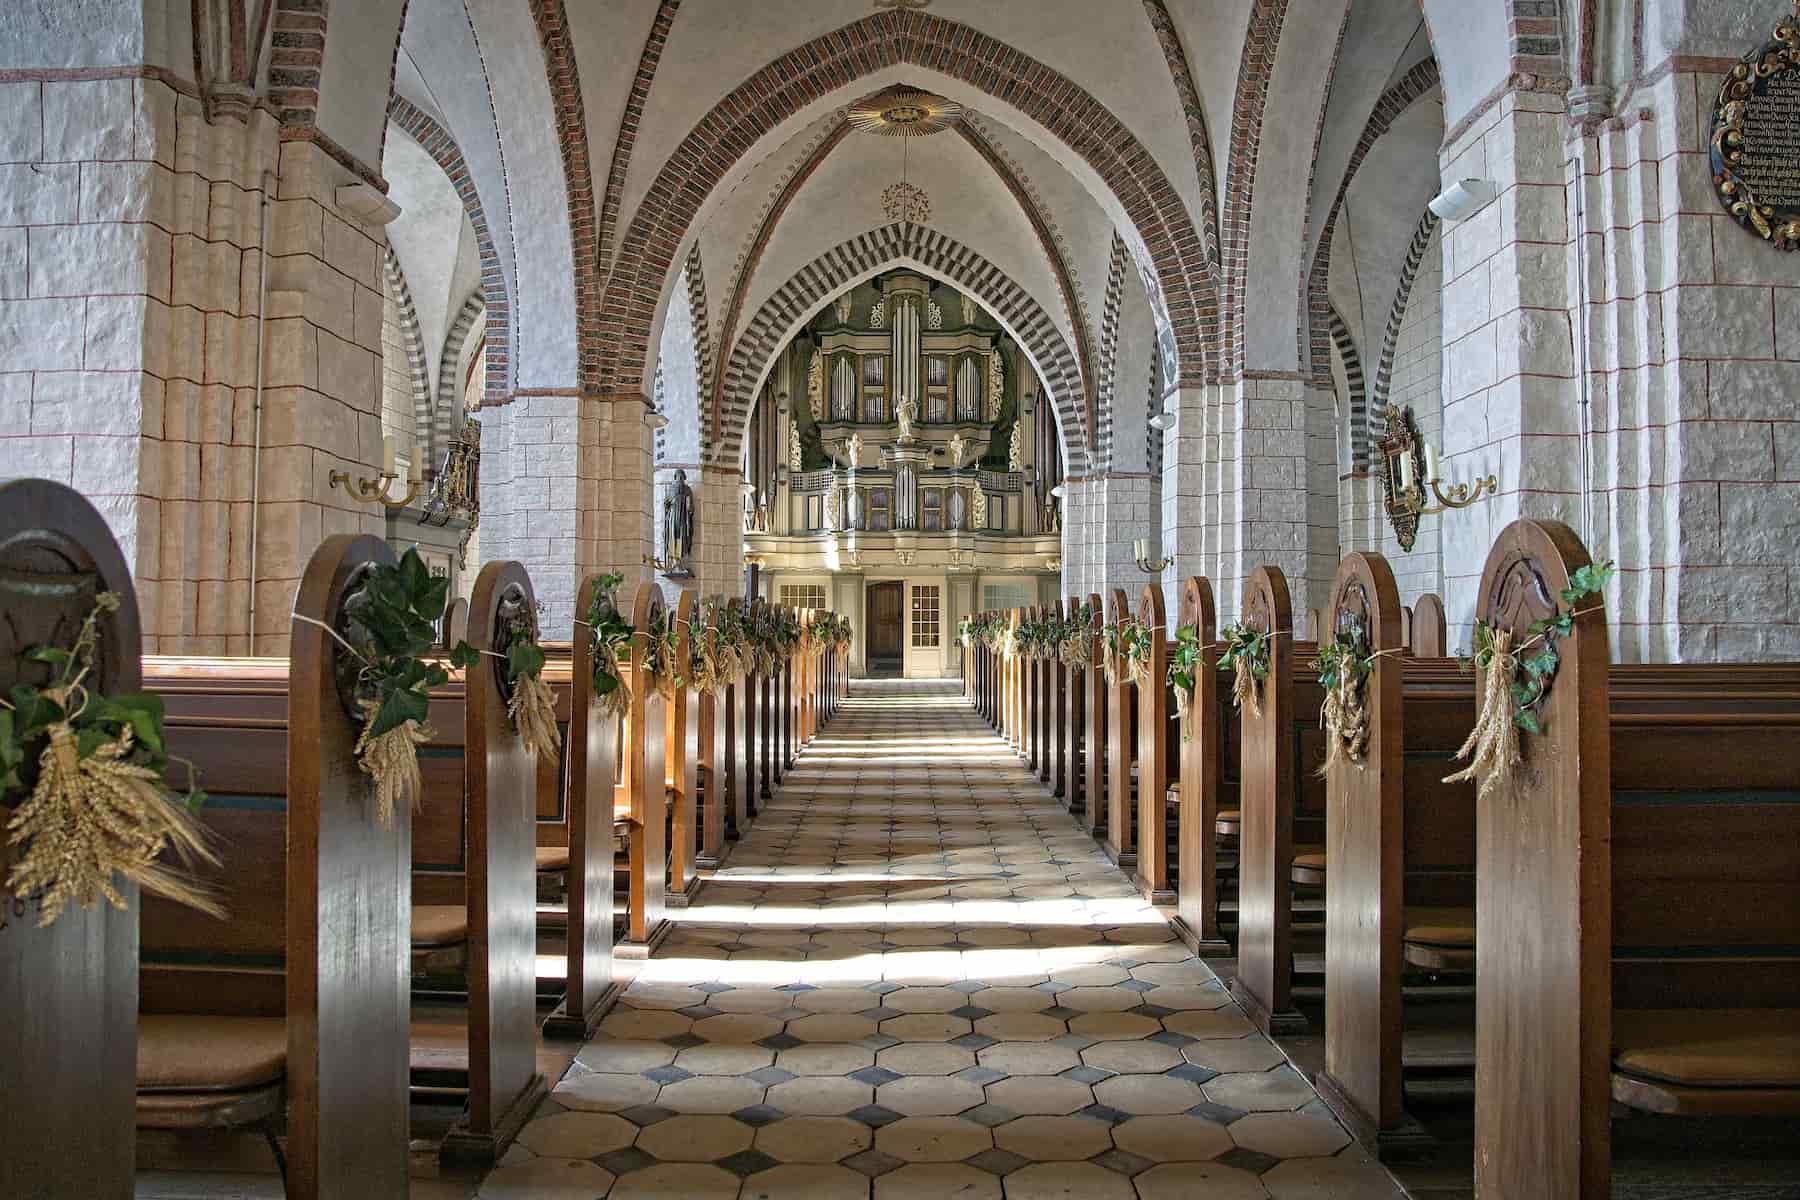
825,278
397,287
448,417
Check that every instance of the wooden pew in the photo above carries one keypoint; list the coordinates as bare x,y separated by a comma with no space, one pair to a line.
297,1004
500,892
1154,749
1401,843
1635,914
70,990
784,677
681,750
740,748
1263,985
1121,750
590,757
1196,919
1428,628
640,799
456,622
1056,717
1093,737
714,716
1073,714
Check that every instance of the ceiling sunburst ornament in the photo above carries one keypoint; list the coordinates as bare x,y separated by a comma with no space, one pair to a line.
905,114
902,5
904,202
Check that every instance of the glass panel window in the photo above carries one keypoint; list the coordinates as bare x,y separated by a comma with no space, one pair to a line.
803,595
925,617
931,509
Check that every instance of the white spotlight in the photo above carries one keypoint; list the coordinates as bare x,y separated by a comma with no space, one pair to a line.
1464,198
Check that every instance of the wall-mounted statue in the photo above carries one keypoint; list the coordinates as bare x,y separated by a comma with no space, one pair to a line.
959,446
978,520
678,526
815,386
969,308
906,412
853,451
843,308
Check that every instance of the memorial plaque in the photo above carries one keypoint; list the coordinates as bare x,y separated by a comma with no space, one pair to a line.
1756,139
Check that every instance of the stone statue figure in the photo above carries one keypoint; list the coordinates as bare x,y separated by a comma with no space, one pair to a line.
678,523
831,505
1015,453
996,385
978,517
968,308
795,457
815,386
843,308
906,413
853,451
959,445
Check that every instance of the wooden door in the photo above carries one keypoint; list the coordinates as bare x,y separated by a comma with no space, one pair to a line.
887,649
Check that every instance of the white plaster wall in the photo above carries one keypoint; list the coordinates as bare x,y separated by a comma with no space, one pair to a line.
353,80
426,237
1473,50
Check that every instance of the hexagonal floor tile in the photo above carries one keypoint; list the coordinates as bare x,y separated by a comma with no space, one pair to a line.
1113,1026
1147,1094
1099,999
736,1028
1132,1058
924,1000
593,1091
1210,1023
1029,1058
925,1027
928,1096
1290,1134
1185,1181
824,1059
695,1139
1339,1178
624,1057
1047,1095
669,1181
800,1182
926,1058
820,1096
577,1134
1068,1181
937,1181
710,1094
832,1027
933,1139
1021,1027
1042,1139
1279,1090
1172,1138
1226,1055
721,1059
814,1139
633,1024
551,1179
1012,999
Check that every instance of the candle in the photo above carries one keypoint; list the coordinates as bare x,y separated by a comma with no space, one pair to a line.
1406,470
387,458
1431,465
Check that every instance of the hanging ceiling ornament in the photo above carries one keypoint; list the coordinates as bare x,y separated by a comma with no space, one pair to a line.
905,114
904,202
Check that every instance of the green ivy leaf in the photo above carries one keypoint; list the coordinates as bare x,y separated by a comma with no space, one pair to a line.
1527,720
524,659
463,656
56,656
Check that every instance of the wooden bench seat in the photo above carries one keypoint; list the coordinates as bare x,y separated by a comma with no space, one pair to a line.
1439,938
1309,866
209,1071
435,926
1708,1062
552,858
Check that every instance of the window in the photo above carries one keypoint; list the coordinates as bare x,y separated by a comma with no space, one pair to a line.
1007,595
803,595
925,616
931,517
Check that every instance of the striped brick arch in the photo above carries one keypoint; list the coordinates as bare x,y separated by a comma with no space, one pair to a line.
826,277
1390,338
438,143
420,378
449,416
809,73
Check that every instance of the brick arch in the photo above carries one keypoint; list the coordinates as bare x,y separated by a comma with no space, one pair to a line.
410,338
448,416
1390,338
1418,83
438,143
1351,357
806,74
1256,66
819,282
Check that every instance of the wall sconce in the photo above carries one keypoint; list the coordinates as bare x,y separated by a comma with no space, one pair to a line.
1140,550
1408,467
375,491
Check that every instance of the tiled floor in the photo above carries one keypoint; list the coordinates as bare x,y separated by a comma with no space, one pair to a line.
916,978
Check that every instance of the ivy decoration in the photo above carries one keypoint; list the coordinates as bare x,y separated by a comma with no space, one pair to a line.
610,634
1074,638
1128,645
1184,672
97,798
532,705
1246,656
1517,681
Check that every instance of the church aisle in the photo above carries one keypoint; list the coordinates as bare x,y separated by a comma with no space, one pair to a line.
916,978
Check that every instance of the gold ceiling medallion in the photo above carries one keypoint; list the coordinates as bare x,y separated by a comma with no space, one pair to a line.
904,202
1755,147
905,114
